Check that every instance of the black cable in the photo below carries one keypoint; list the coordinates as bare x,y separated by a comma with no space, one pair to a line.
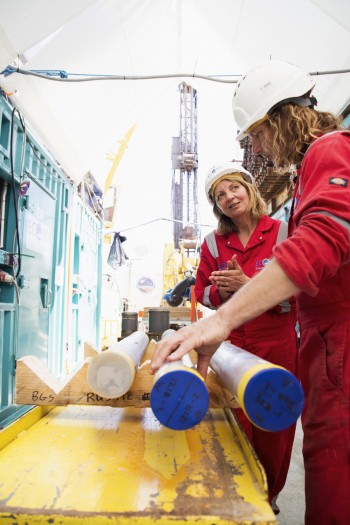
57,178
15,201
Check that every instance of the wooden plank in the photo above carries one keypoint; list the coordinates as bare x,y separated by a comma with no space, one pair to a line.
36,385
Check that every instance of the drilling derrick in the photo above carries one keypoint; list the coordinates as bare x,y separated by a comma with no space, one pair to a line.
184,165
180,257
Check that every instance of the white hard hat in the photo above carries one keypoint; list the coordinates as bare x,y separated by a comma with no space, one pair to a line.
264,87
218,171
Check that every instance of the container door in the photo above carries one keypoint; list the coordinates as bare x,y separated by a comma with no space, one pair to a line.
35,276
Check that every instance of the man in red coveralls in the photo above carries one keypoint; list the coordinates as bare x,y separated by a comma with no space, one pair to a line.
234,252
274,106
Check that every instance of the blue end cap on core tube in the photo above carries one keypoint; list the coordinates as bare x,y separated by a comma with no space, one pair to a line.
273,399
179,399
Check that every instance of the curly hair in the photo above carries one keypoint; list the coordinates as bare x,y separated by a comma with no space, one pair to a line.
294,127
257,208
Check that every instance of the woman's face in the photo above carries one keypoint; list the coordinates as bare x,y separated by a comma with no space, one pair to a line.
232,198
261,138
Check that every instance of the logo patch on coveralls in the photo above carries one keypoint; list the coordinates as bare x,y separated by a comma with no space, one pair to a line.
259,265
338,181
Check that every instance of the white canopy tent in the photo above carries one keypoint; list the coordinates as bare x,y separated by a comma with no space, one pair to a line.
171,41
81,121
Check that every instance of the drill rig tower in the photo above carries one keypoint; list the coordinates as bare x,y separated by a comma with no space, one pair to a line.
180,257
185,164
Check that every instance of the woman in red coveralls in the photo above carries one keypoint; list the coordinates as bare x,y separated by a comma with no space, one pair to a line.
243,242
273,105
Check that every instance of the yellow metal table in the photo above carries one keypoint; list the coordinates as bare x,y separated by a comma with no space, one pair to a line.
103,465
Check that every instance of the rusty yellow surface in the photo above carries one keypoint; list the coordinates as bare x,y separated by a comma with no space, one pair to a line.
105,465
26,421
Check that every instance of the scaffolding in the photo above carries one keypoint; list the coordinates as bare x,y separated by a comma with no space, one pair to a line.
184,165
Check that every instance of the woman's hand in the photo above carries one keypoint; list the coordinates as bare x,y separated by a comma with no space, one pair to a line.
230,280
268,288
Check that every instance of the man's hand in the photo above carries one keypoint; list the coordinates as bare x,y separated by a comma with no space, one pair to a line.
205,337
268,288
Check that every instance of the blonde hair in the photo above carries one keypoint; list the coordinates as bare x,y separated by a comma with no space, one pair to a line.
294,127
257,207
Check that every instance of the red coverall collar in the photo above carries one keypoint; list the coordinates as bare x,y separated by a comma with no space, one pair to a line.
264,225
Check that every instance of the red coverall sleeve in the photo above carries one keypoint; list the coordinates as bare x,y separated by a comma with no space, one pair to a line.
207,265
320,244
